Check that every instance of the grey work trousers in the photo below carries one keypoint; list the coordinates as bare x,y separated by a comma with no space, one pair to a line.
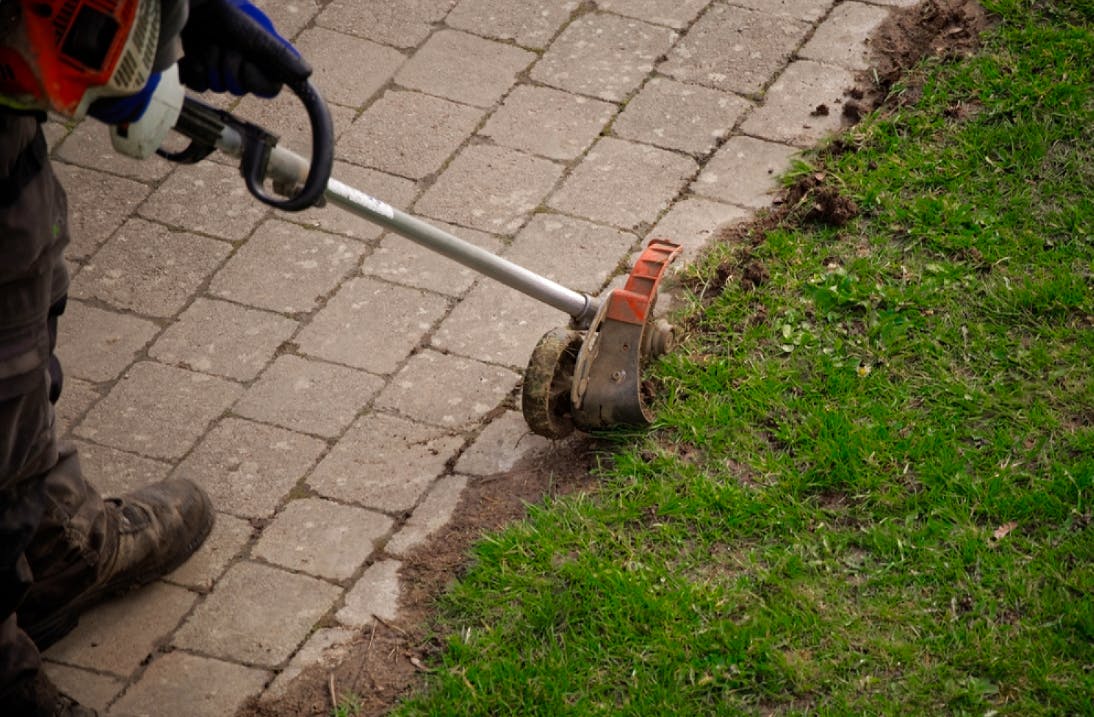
52,522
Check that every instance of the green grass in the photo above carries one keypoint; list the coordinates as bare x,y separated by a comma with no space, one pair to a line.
869,489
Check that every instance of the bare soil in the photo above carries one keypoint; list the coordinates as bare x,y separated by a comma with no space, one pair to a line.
387,660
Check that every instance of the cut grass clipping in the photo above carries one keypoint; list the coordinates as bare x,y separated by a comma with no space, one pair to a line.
869,490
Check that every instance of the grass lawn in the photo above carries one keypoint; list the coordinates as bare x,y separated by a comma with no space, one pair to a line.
869,490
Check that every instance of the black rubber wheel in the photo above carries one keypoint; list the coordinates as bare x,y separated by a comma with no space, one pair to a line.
545,396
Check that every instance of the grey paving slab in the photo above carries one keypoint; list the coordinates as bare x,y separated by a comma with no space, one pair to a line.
842,39
396,191
529,23
223,339
803,106
89,688
811,10
464,68
115,472
553,124
579,61
403,24
376,594
98,345
285,269
322,538
149,269
496,325
248,468
117,636
372,325
430,516
77,397
342,80
96,212
448,391
234,622
493,189
286,117
674,13
573,252
88,145
693,222
401,261
181,684
326,648
384,138
158,411
226,542
384,462
623,183
309,396
745,171
207,199
675,115
289,17
735,49
502,444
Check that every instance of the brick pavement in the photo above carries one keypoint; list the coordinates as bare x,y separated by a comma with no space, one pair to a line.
335,388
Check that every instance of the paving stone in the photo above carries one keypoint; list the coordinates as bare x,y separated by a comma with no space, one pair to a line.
790,111
623,183
810,10
289,17
580,61
149,269
97,345
895,3
431,515
573,252
326,648
503,443
384,462
490,188
376,594
496,325
223,339
547,122
692,222
322,538
403,24
90,689
529,23
286,268
735,49
384,137
208,198
678,116
118,635
843,38
229,537
239,621
158,411
76,398
372,325
464,68
88,145
674,13
447,391
98,208
248,468
402,261
191,685
309,396
351,83
392,190
745,171
55,129
113,472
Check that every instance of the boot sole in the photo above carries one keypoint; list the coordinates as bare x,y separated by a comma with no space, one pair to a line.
49,631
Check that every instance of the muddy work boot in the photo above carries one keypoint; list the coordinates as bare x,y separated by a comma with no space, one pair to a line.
121,543
38,697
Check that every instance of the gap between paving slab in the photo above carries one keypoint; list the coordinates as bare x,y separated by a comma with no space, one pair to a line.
686,147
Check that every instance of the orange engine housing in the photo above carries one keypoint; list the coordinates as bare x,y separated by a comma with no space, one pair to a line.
62,55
